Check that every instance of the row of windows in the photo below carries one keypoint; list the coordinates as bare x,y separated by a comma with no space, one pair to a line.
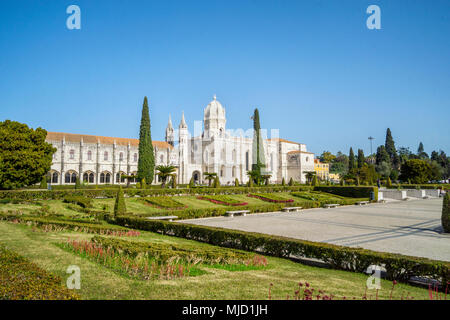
106,156
89,177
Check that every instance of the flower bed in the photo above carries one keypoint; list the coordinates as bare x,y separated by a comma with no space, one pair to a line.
222,199
50,225
21,279
399,267
165,203
269,197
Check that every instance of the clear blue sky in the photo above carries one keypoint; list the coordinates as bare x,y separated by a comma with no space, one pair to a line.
312,68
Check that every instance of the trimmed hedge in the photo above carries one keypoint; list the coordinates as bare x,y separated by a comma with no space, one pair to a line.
168,251
79,200
21,279
223,200
350,191
398,267
131,192
164,202
71,225
446,213
269,197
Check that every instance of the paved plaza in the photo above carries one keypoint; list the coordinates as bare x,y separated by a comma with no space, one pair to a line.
408,227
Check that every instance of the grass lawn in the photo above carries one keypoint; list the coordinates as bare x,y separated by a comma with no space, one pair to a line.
99,282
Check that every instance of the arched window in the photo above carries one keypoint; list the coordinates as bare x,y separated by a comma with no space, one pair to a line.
222,171
70,177
161,159
135,157
89,155
55,177
233,155
307,159
88,177
105,156
72,154
120,176
121,156
108,178
102,177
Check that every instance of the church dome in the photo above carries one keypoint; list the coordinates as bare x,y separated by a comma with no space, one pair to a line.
214,110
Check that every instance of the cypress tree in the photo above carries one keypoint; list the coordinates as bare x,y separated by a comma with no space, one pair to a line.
236,182
382,155
388,182
291,182
119,206
351,160
258,147
143,184
283,182
191,183
361,158
146,163
389,145
315,182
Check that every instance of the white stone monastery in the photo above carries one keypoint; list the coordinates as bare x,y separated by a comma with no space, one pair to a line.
103,160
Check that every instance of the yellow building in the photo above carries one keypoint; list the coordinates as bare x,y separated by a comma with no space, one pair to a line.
334,177
322,169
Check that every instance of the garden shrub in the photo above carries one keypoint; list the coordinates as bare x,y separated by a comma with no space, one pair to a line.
20,279
269,197
164,202
349,191
446,213
190,253
79,200
398,267
119,206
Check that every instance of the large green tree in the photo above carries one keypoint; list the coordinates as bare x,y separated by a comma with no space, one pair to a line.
25,157
416,170
146,164
389,145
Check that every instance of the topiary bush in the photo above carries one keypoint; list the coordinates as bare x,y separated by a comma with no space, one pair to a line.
119,206
446,213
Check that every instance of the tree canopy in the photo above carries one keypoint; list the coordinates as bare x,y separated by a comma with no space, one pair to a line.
25,157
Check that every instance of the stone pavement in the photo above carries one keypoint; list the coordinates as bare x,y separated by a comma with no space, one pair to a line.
408,227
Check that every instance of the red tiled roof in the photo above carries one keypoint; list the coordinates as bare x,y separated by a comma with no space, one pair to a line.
72,137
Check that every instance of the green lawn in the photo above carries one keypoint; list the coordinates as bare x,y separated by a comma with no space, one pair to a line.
99,282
